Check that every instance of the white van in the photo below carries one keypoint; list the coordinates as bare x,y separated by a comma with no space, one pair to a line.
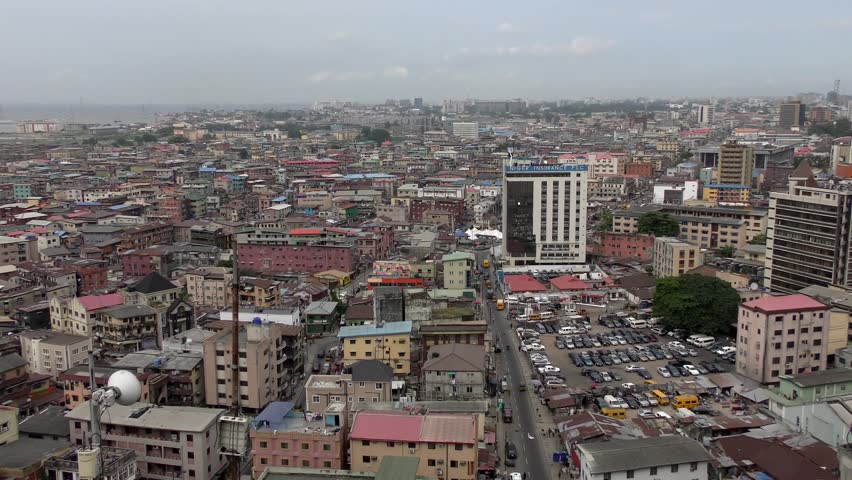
692,338
522,318
636,323
568,331
704,342
546,315
511,299
612,402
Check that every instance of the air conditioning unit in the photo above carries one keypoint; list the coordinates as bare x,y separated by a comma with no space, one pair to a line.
374,458
440,472
411,450
440,462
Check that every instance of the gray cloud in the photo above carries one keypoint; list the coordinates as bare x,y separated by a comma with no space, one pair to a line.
507,27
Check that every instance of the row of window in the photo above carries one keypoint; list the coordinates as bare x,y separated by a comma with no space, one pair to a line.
693,467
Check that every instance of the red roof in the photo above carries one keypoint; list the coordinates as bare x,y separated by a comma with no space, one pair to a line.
399,426
97,302
387,426
306,231
569,282
523,283
785,303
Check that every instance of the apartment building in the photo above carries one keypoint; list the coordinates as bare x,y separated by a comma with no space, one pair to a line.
707,227
281,437
15,250
792,115
809,239
170,442
783,335
454,371
368,381
387,342
77,315
466,130
208,286
127,328
458,270
280,252
674,257
270,364
718,193
50,353
446,444
179,375
735,164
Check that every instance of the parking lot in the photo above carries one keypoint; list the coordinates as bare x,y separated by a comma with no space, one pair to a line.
628,348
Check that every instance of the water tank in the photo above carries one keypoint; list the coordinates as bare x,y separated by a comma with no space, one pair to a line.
87,462
233,435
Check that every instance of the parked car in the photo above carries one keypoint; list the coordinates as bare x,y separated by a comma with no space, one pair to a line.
632,368
511,454
664,372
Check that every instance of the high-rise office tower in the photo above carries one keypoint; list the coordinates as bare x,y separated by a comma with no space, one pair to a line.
418,102
791,114
706,114
809,236
467,130
735,164
544,214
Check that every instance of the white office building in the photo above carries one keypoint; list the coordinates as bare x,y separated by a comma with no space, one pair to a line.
468,130
706,114
544,214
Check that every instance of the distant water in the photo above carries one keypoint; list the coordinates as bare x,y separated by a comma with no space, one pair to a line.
107,114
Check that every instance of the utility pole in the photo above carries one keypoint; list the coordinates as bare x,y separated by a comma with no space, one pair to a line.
236,459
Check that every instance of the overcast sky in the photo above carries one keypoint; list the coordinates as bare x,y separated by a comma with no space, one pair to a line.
262,51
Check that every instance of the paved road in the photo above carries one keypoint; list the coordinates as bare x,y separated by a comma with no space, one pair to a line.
531,458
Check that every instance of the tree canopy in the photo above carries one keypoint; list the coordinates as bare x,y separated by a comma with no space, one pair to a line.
696,303
605,223
659,224
377,135
758,239
839,128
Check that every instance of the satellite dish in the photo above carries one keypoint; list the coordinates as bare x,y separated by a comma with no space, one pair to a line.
753,286
127,388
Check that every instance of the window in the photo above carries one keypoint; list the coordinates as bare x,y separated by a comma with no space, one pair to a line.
285,445
431,462
412,445
459,447
315,399
817,342
607,476
790,344
630,474
778,332
653,471
326,464
674,468
306,446
263,444
263,461
365,459
285,462
391,444
431,446
306,463
693,466
378,386
454,463
352,342
776,361
365,443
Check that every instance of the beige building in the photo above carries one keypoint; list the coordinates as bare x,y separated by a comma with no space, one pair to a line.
15,250
77,315
127,328
370,381
388,343
735,164
673,257
783,335
50,353
208,286
8,424
446,444
270,364
170,442
454,371
458,270
710,227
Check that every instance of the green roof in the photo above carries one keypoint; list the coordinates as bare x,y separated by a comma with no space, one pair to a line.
451,257
398,468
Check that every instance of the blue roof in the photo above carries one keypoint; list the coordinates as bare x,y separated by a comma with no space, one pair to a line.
233,177
356,176
119,207
688,164
89,204
726,186
274,414
206,169
370,330
282,198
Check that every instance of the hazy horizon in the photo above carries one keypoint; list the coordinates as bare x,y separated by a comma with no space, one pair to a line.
263,52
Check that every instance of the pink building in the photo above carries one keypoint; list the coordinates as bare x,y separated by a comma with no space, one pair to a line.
281,437
784,335
295,258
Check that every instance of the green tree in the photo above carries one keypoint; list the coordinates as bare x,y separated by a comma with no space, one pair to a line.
758,240
605,223
178,139
165,132
727,251
145,138
659,224
225,263
839,128
696,303
121,142
90,141
293,130
379,135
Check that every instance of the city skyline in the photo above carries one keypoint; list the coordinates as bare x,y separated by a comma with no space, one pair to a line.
265,52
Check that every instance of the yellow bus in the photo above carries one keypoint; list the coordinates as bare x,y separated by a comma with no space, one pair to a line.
500,304
661,397
486,263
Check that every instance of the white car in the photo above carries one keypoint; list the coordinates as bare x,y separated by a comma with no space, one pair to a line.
536,347
515,476
660,414
632,368
628,386
605,376
725,350
691,369
551,369
664,372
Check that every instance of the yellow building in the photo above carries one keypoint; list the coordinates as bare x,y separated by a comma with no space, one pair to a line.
8,424
77,315
458,270
673,257
444,443
389,343
727,193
